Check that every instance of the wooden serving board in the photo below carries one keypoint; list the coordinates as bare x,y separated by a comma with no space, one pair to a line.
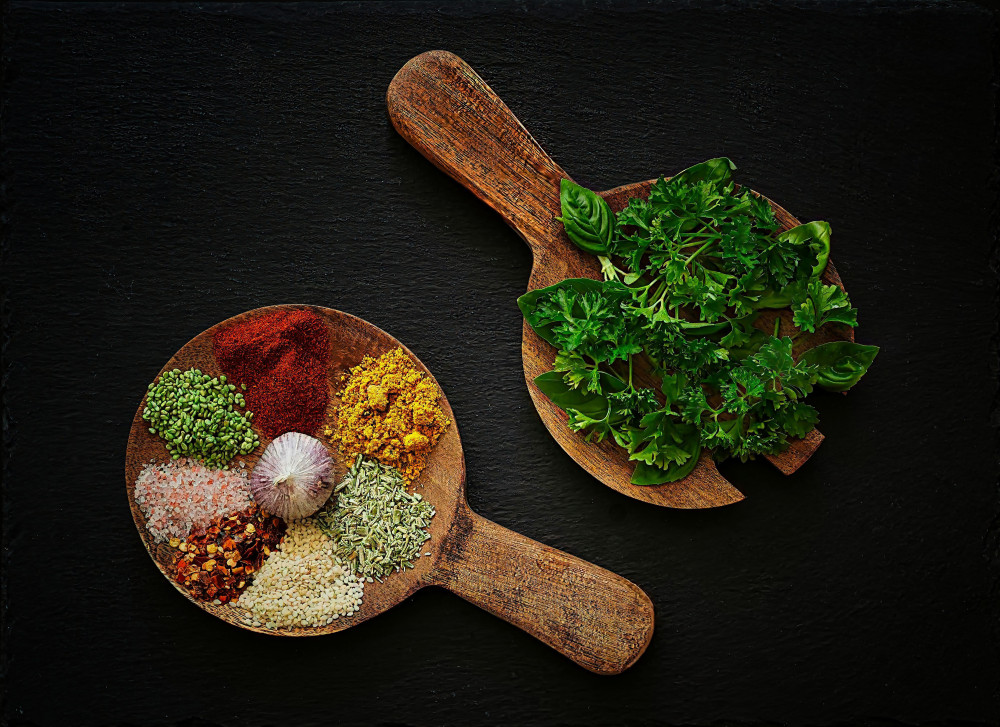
596,618
448,113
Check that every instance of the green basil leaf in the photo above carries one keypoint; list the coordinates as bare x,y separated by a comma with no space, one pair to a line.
586,217
751,347
701,328
565,396
646,474
841,363
773,300
713,170
817,235
593,404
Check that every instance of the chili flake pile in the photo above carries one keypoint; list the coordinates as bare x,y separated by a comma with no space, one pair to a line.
390,412
217,563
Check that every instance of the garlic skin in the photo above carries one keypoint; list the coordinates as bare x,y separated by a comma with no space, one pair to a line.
294,476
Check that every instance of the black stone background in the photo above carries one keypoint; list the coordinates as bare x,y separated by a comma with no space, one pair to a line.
169,166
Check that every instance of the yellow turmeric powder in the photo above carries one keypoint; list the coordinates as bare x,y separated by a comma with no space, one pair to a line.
389,411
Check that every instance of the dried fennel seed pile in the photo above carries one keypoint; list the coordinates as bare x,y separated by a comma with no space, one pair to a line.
377,526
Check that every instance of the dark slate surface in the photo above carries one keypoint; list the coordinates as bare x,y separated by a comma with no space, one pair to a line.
168,167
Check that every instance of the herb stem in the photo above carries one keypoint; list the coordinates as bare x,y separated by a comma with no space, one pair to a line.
661,293
698,251
609,369
608,268
696,238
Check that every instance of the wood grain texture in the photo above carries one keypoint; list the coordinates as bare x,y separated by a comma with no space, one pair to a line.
600,620
596,618
441,106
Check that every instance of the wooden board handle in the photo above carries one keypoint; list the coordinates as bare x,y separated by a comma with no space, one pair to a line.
598,619
448,113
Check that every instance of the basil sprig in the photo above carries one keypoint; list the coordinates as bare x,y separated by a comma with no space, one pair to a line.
586,217
840,364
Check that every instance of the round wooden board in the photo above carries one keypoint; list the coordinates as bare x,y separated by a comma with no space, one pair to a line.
442,482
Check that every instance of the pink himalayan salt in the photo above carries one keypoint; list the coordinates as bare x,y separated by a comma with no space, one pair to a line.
182,495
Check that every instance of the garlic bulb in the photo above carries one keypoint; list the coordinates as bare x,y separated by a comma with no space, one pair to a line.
294,476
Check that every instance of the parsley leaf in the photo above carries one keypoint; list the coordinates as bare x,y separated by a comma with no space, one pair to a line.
816,304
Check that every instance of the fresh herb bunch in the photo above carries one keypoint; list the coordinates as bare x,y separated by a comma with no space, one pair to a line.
686,274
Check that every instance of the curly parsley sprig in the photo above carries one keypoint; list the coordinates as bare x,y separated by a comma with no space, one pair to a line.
687,272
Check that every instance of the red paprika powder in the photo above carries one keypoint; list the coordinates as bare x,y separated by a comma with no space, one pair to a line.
281,358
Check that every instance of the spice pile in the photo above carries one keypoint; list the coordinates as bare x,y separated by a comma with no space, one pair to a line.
182,496
281,359
246,538
303,583
193,414
217,564
389,411
378,526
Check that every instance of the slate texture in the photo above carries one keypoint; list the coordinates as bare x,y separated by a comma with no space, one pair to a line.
168,166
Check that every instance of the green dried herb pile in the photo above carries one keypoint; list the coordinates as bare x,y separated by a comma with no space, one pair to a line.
377,526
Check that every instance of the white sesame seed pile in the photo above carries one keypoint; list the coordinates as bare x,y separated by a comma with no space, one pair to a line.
302,583
183,494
